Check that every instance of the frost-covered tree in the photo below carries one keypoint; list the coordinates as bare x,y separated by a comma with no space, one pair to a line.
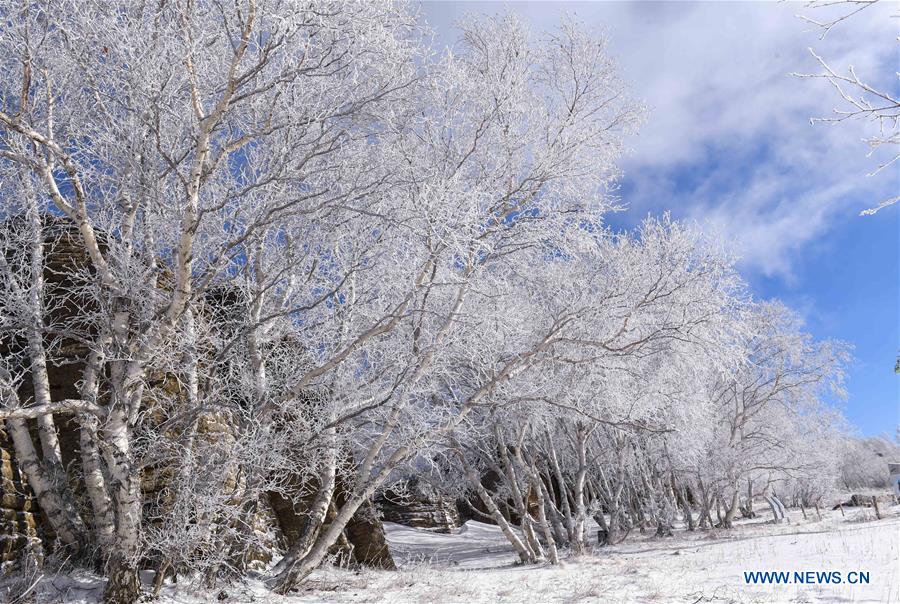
864,462
302,253
767,402
175,138
864,97
310,157
519,141
584,422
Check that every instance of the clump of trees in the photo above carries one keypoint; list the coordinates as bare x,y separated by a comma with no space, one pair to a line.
357,256
864,463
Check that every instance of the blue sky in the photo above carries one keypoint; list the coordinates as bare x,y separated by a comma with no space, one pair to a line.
728,144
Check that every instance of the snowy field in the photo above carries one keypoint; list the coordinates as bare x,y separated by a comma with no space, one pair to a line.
477,565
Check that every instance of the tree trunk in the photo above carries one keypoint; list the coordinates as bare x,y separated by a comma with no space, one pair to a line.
104,520
719,509
37,355
750,513
525,556
45,475
566,509
686,506
95,482
542,513
59,511
730,511
288,577
519,498
778,510
781,507
603,530
577,536
159,578
317,513
615,532
705,519
553,555
123,585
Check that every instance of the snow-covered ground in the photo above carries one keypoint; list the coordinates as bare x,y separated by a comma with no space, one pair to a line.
477,565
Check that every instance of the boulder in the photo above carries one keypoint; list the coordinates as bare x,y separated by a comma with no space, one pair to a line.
365,532
363,540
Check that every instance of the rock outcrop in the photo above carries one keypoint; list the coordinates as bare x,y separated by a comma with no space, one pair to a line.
19,519
418,504
22,531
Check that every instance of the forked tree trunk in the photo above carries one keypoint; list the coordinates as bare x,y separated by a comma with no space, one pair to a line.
778,510
731,510
538,489
686,507
45,474
553,555
705,507
566,509
668,507
519,498
554,516
525,556
288,577
615,533
526,523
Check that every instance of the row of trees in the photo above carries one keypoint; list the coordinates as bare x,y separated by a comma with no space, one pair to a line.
703,424
360,257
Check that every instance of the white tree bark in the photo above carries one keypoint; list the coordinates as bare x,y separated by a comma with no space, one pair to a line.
315,518
526,556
